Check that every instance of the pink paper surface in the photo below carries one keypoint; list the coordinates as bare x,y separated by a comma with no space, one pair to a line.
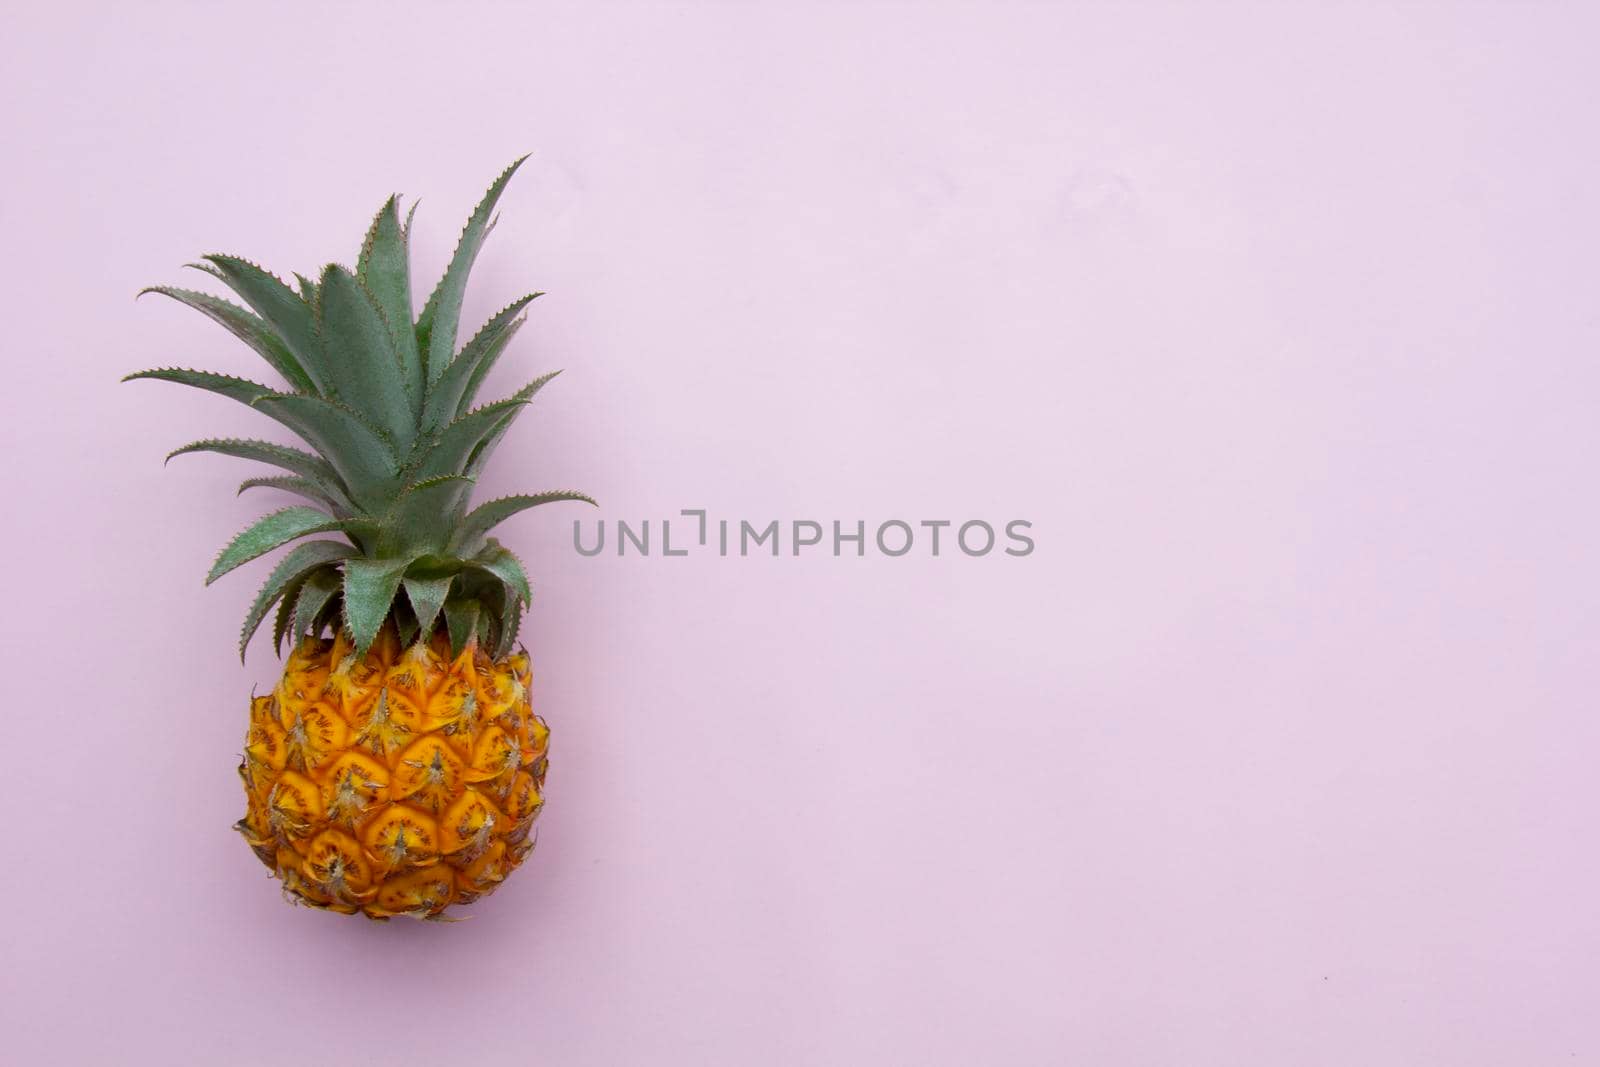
1278,322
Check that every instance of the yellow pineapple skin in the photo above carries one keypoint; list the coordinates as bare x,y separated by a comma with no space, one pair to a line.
396,783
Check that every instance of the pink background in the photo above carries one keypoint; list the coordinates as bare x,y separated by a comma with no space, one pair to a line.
1278,322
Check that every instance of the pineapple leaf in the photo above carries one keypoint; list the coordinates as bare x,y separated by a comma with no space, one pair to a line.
489,630
308,288
271,531
244,325
497,560
511,624
486,363
487,516
369,589
427,596
405,624
452,393
291,569
290,483
485,448
424,514
284,310
285,614
441,315
241,389
384,269
360,453
320,588
331,617
363,366
453,446
313,468
461,619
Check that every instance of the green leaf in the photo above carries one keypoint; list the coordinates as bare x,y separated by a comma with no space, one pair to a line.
362,364
321,587
427,596
331,617
487,516
308,288
313,468
511,625
369,589
489,631
453,446
285,613
294,566
248,327
436,326
422,517
431,565
241,389
283,309
497,560
479,459
362,456
290,483
405,624
461,619
384,269
452,393
268,533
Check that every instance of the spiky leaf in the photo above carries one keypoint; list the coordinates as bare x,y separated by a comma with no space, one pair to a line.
363,457
424,514
436,326
461,619
241,389
290,483
508,639
248,327
270,532
321,587
312,468
384,270
479,459
487,516
365,370
369,589
452,394
496,559
294,566
281,307
405,623
453,446
285,613
427,596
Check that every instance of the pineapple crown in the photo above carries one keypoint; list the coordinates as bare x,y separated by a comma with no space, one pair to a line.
385,402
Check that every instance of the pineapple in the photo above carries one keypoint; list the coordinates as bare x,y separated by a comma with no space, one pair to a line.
398,766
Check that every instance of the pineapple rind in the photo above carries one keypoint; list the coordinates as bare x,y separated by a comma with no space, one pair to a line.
398,782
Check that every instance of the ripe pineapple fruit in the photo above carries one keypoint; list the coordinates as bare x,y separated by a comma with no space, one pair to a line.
398,766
